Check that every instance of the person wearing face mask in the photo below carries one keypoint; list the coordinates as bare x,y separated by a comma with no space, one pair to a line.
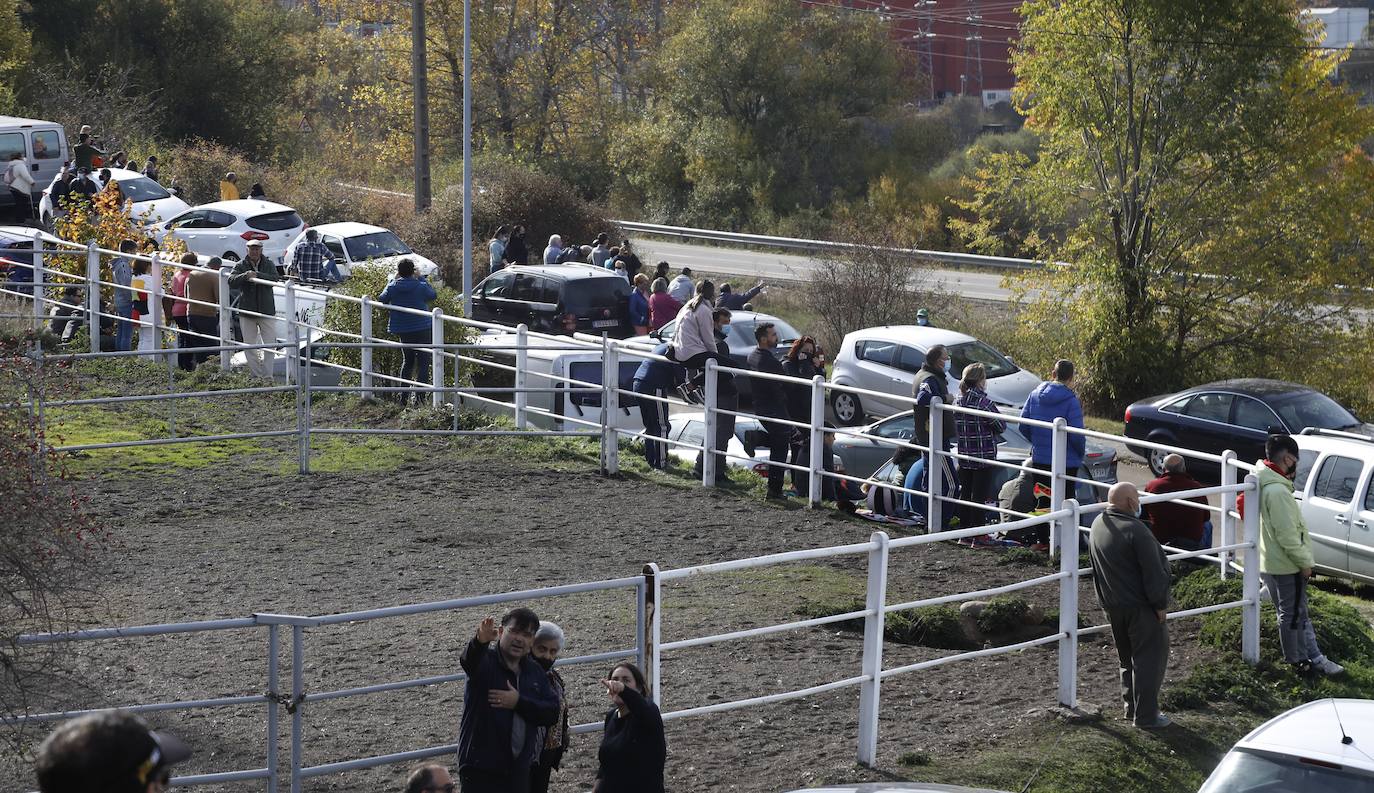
633,748
1131,576
803,362
933,381
1285,550
553,741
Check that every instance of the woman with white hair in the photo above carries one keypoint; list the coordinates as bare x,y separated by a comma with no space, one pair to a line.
548,643
554,250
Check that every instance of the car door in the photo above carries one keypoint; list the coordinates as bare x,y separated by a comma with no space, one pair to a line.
1360,548
1328,508
529,293
189,227
218,233
47,154
1206,422
876,370
492,297
1252,420
338,253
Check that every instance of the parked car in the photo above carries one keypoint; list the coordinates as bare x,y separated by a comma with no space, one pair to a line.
356,244
1334,486
863,455
541,296
223,228
321,373
43,144
1231,414
1319,746
691,428
152,203
739,335
887,358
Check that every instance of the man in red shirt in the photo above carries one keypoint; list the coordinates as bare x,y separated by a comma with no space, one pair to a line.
1174,523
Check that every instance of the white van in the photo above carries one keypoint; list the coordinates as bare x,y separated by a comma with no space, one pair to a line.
559,361
44,146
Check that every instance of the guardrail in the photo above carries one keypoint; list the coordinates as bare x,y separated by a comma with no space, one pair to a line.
1063,518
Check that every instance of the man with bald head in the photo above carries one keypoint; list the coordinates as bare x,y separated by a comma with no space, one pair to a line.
1174,522
1131,577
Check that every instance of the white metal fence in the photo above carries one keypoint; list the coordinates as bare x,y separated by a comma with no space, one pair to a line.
1236,549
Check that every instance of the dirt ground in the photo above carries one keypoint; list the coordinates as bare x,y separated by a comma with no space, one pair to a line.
229,540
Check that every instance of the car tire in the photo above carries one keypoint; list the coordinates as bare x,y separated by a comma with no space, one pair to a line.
847,408
1155,457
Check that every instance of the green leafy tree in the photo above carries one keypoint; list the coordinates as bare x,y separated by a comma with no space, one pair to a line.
14,52
1201,175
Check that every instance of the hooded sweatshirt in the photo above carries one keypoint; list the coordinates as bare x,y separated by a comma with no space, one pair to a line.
1283,543
1051,400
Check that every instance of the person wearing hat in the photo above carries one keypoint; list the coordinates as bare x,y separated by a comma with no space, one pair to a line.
85,152
256,307
113,750
923,318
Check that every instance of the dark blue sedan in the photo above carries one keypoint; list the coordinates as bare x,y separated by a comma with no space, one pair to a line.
1231,414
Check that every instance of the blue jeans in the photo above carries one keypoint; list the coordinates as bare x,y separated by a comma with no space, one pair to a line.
124,328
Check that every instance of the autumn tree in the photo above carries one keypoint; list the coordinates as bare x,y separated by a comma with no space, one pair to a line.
1201,176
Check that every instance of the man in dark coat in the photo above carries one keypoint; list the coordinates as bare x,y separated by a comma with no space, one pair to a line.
771,400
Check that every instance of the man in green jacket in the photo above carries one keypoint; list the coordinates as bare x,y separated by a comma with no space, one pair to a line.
1131,576
257,310
1286,556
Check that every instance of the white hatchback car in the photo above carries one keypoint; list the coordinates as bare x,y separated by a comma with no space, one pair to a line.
1318,747
355,244
224,228
1334,486
153,203
887,358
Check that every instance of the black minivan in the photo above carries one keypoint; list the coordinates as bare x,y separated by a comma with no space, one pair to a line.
545,297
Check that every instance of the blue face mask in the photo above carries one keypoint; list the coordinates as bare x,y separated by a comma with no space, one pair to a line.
949,363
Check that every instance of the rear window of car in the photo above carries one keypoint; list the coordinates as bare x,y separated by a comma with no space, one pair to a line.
275,221
1241,771
585,294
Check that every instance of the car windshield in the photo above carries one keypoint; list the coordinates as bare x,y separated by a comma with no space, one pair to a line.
375,246
740,332
141,189
1241,772
1311,409
978,352
585,294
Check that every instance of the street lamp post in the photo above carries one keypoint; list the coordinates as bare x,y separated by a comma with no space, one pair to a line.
419,77
467,158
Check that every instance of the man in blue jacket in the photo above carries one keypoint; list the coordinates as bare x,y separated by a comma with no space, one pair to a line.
1051,400
655,379
408,291
506,699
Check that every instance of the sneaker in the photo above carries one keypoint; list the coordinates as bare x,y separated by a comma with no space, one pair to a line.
1160,721
1129,712
690,394
1327,666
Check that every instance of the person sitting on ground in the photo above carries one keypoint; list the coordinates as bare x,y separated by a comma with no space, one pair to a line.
112,750
662,306
1173,523
229,187
1131,577
736,302
681,287
430,778
633,748
552,741
554,251
66,312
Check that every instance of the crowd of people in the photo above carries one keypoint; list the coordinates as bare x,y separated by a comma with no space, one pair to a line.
512,736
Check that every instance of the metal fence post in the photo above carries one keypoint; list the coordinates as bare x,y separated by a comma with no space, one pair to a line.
226,318
273,684
708,438
1059,459
816,459
293,337
522,340
653,596
610,405
39,279
641,623
93,295
436,358
297,702
366,318
1068,606
303,417
155,301
1250,614
1226,527
870,699
935,474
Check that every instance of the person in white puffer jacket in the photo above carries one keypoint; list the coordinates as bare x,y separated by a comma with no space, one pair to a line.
694,340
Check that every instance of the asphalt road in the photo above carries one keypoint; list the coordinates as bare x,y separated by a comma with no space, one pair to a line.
768,265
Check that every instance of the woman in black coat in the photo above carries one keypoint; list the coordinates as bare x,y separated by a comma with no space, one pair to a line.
633,749
803,361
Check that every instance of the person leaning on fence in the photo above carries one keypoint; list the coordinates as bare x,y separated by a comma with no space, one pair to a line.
552,741
202,312
693,340
1131,576
257,309
1051,400
801,361
727,399
933,381
977,438
1286,556
108,751
180,309
771,401
656,378
409,291
506,699
430,778
633,747
1174,523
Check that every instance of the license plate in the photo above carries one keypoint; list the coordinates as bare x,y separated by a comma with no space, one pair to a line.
605,323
